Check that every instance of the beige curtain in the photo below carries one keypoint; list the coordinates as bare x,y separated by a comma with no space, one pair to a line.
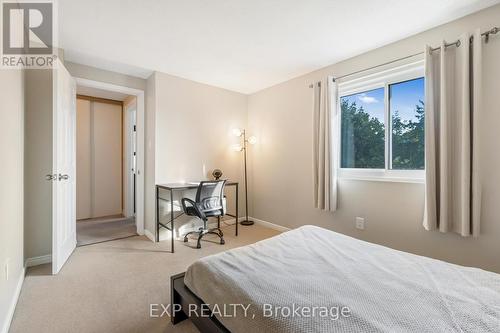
452,116
325,135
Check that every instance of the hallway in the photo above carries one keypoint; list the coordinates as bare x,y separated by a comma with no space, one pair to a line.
98,230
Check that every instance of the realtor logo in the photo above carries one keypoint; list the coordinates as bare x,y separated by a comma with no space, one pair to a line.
27,34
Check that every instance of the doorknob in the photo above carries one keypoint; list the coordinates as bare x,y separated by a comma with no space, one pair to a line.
51,177
63,177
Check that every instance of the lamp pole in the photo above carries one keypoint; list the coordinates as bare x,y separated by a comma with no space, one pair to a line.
245,143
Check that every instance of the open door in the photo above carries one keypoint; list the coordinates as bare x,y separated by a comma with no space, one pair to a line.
64,167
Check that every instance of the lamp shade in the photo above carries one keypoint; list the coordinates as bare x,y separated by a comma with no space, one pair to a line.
252,140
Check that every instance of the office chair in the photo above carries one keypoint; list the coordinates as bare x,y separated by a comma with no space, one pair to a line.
209,202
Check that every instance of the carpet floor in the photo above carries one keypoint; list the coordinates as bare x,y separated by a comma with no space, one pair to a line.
104,229
108,287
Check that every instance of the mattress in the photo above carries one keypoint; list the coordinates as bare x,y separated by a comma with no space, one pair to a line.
341,284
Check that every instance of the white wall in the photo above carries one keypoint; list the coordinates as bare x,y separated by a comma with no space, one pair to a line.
11,190
281,181
193,123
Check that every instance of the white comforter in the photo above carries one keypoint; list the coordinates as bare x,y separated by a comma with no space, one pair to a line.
384,290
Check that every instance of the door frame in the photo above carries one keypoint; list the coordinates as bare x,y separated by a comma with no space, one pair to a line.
140,133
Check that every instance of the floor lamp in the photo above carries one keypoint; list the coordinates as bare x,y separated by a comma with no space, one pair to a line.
243,147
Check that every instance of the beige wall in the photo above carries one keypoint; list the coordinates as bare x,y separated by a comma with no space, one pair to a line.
149,156
38,161
281,164
11,190
193,123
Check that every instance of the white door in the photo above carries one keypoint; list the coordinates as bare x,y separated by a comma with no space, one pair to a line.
64,167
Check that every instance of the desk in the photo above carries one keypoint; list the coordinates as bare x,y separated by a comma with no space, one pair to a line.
182,187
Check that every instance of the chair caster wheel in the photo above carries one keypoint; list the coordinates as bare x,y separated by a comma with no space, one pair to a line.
222,242
198,246
185,239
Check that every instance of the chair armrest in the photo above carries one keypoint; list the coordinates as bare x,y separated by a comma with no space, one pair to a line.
183,202
224,205
194,205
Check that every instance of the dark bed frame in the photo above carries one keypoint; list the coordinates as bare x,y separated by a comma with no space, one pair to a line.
181,295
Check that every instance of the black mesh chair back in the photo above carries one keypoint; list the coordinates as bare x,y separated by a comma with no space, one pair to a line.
210,196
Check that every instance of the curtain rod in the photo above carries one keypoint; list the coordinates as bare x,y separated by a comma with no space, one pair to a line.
486,34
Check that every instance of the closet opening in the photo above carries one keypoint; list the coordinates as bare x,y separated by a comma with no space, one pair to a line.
106,165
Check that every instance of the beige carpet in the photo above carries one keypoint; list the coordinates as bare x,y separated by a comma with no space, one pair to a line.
108,287
98,230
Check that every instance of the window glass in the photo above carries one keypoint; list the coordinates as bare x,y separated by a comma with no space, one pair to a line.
363,130
406,107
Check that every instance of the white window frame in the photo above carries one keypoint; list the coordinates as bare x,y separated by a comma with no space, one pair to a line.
381,79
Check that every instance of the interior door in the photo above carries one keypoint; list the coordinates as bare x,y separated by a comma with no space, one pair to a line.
64,167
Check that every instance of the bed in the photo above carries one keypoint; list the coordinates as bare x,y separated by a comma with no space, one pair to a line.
380,289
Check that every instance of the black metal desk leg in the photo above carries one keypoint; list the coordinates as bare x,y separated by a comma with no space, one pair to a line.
172,217
157,236
237,214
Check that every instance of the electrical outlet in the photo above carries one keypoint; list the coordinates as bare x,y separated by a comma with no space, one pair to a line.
6,269
360,223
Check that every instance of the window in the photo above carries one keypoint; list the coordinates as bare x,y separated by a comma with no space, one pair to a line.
406,106
382,125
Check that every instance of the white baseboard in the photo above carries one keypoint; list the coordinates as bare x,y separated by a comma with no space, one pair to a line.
35,261
12,307
230,221
212,224
149,235
269,225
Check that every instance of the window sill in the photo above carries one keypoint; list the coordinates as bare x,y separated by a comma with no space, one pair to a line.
414,177
386,179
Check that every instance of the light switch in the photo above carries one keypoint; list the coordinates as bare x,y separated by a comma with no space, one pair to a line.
6,269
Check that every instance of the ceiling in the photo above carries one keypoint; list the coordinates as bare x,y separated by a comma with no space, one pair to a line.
241,45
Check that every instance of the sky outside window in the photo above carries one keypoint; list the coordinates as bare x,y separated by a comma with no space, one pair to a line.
371,101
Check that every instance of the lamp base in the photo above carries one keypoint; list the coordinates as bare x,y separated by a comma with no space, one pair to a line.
246,222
